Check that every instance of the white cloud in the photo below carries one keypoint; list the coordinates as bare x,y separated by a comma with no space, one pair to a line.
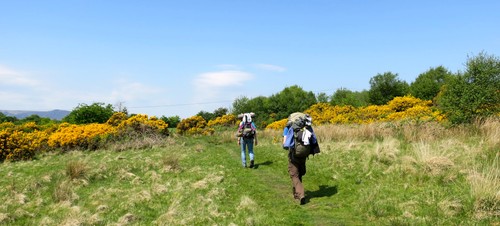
270,67
222,79
16,78
215,86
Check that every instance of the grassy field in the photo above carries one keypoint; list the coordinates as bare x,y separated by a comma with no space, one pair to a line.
378,174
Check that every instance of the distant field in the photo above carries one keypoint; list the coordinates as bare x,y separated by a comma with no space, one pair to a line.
377,174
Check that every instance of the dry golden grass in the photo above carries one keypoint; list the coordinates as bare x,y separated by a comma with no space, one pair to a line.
490,129
171,163
430,131
143,141
126,219
329,133
386,151
77,169
450,207
434,161
485,187
63,192
246,203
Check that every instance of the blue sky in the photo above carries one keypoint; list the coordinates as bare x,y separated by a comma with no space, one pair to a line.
181,57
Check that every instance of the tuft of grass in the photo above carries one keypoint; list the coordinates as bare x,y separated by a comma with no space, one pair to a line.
63,192
77,169
386,151
171,163
451,208
485,188
432,161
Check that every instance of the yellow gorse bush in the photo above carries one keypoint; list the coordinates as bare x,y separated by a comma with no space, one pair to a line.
117,118
70,136
7,125
225,120
22,142
142,123
321,113
400,104
194,125
20,145
277,125
400,108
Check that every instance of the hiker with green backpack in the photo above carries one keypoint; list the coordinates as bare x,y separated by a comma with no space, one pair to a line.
300,141
247,137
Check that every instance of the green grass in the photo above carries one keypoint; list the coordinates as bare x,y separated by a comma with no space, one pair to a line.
200,181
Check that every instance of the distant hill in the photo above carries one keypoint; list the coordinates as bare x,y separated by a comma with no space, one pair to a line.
54,114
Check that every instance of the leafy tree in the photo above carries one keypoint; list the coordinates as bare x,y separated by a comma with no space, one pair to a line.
206,115
172,121
94,113
322,98
384,87
428,84
37,119
260,106
219,112
344,97
473,93
5,118
291,99
240,105
211,116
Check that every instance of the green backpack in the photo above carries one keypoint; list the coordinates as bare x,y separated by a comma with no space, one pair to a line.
300,150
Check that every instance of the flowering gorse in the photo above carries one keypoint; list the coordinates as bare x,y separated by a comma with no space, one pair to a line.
400,108
70,136
195,125
225,120
22,142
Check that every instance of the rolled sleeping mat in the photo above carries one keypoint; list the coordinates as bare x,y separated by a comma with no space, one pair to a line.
240,116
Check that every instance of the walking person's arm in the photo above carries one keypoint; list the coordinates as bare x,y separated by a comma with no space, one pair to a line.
255,134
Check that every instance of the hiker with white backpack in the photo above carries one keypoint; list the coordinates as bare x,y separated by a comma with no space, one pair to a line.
247,137
300,141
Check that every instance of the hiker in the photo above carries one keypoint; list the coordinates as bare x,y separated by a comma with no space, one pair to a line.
247,135
300,141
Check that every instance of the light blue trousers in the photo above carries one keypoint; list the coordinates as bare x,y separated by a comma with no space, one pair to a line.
246,144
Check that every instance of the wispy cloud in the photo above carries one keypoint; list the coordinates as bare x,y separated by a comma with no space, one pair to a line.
222,79
270,67
12,77
211,85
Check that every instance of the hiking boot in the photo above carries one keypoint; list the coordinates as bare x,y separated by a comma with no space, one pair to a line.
251,163
302,200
